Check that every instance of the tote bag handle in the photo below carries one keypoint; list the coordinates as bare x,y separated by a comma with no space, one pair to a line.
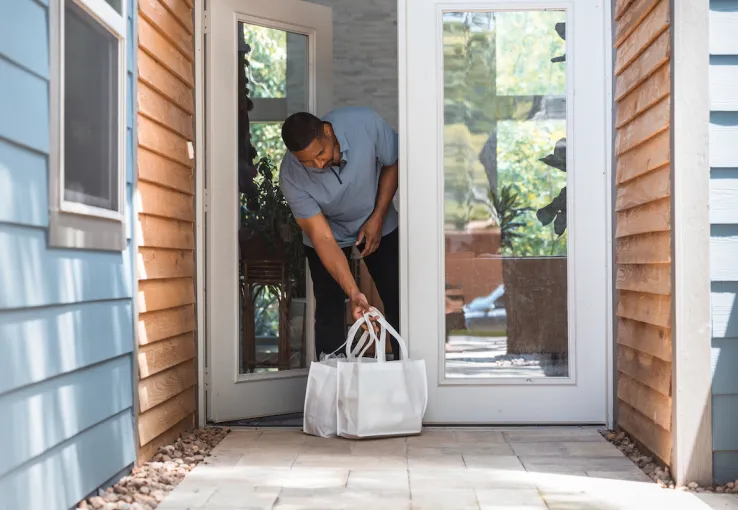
386,326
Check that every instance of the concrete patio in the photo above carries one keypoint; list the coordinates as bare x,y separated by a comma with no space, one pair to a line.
442,469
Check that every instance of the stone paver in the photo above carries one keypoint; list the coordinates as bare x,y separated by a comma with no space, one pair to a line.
568,468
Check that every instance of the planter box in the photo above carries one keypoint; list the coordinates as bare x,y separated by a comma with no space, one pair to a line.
536,305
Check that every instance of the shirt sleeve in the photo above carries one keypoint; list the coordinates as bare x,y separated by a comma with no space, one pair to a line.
385,142
302,204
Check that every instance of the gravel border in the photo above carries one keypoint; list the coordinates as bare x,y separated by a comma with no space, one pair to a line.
149,484
656,471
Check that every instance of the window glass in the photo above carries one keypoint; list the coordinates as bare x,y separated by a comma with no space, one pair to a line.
272,83
267,61
90,111
267,140
115,4
505,205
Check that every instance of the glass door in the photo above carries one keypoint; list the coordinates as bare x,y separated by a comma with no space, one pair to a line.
509,208
265,62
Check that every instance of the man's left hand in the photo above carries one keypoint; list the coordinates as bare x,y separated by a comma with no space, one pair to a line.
371,232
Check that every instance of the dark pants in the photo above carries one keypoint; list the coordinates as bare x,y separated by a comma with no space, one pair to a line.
330,310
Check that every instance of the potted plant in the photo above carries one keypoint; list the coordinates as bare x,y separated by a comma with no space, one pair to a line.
269,233
555,211
536,287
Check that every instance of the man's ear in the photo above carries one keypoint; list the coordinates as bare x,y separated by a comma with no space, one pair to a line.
327,129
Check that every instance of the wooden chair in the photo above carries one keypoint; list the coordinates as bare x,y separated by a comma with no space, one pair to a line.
258,273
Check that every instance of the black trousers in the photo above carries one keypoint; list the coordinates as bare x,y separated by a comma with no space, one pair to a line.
330,311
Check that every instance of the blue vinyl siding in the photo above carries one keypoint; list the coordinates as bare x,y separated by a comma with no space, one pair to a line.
24,198
66,316
724,235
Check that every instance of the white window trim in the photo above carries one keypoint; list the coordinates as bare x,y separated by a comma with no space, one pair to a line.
73,224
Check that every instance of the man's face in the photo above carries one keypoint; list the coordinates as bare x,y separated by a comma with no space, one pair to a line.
322,152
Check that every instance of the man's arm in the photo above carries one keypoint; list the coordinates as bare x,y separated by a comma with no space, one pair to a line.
371,230
334,260
387,189
385,145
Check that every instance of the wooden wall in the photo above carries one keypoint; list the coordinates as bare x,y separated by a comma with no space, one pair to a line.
724,234
643,222
166,262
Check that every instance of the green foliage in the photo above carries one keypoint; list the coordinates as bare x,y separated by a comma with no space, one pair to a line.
267,61
266,311
520,146
265,213
554,212
493,64
268,79
267,138
267,217
526,41
509,208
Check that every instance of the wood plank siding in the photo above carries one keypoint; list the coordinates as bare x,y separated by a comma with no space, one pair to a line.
723,77
643,222
166,255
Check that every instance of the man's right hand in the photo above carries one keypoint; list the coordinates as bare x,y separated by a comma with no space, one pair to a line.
359,304
335,262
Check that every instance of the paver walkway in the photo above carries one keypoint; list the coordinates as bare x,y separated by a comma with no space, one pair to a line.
442,469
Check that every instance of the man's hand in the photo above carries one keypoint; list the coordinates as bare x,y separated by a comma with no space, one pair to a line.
360,306
371,232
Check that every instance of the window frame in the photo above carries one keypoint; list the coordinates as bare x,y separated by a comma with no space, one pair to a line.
75,224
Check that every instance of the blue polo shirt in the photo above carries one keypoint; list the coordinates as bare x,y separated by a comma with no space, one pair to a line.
345,194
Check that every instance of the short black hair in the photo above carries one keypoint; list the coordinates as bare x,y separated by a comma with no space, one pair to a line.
300,129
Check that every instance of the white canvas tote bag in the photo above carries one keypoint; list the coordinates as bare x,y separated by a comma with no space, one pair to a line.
319,416
386,398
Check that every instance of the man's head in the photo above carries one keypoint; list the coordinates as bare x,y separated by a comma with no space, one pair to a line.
311,140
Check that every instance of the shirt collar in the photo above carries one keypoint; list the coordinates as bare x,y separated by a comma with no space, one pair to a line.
340,136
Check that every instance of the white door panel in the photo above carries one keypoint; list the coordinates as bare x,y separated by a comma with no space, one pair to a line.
235,390
513,322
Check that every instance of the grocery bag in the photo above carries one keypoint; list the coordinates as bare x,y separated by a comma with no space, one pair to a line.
386,398
319,416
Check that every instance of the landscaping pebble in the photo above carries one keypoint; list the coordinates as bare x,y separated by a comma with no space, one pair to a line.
659,473
148,484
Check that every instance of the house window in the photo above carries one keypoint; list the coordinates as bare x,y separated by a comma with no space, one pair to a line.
88,47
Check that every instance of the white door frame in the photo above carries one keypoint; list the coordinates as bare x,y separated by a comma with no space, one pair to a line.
213,322
203,376
405,46
200,305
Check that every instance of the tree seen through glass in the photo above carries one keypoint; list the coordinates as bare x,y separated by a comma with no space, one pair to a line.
501,94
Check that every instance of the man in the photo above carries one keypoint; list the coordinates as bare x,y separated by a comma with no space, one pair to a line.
339,177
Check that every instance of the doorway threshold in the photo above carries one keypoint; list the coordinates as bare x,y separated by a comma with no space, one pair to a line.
280,421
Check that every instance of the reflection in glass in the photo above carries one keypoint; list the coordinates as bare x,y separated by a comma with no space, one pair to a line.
505,194
267,140
272,84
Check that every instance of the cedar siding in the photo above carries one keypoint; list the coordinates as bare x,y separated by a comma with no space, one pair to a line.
166,255
724,234
643,222
66,315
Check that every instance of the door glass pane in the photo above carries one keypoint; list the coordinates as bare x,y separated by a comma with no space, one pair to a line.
267,140
277,72
272,83
505,194
90,110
